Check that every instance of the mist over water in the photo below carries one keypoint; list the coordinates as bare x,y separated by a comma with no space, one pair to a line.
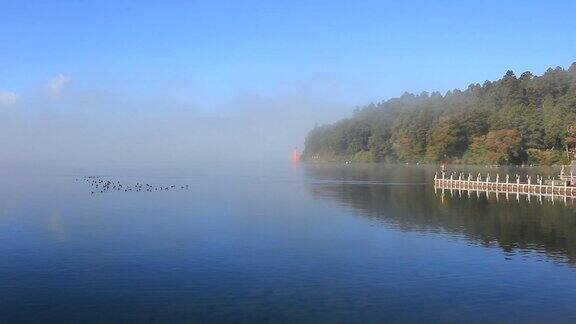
61,137
150,164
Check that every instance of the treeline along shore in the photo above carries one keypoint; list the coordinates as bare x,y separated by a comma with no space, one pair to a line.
515,120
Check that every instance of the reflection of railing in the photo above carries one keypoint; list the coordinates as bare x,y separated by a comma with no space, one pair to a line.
543,188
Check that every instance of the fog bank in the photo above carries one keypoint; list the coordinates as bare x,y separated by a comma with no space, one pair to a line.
90,134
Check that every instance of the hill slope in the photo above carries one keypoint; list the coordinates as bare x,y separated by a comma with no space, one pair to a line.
514,120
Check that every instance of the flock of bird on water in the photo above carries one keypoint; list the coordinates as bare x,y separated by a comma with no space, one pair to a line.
99,185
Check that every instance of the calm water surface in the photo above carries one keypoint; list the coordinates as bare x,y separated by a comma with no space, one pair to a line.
303,243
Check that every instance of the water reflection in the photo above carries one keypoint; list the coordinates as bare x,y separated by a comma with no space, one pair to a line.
404,197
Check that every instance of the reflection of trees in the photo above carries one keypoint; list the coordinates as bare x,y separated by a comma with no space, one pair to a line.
378,193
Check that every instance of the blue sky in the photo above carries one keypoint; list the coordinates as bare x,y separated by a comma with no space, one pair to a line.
207,53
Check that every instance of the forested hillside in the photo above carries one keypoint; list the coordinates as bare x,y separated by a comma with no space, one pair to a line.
514,120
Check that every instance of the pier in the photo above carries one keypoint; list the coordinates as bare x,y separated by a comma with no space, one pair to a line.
562,187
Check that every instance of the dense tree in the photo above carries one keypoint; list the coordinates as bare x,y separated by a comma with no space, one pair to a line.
526,119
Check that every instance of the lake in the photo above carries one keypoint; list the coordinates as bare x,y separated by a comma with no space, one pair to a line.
282,243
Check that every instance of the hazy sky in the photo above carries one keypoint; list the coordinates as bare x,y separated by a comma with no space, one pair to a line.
80,80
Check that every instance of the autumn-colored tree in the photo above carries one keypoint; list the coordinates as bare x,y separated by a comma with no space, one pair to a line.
476,152
503,146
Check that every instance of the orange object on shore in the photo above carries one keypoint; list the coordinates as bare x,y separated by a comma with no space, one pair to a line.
295,157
